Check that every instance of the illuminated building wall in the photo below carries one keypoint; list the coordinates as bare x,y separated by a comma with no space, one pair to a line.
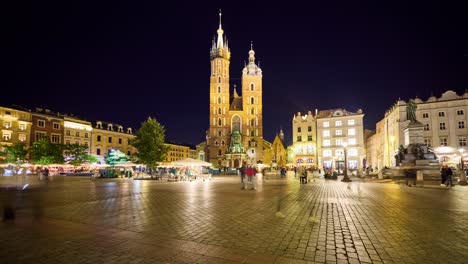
178,152
334,128
107,136
47,123
304,140
77,131
445,127
15,125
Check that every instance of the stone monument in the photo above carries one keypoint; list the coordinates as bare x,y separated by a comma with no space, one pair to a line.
414,157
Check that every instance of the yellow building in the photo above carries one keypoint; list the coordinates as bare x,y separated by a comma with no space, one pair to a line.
279,151
107,136
236,125
77,131
15,126
304,140
178,152
267,153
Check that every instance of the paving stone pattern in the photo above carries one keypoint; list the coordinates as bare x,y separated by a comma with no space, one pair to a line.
78,220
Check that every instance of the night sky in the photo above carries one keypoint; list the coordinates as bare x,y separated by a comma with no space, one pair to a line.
124,61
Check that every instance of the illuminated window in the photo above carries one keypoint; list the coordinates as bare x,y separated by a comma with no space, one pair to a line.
326,142
22,126
338,123
339,152
22,137
56,126
7,124
338,142
352,152
352,141
326,124
6,136
351,122
327,152
442,126
351,131
326,133
338,132
461,124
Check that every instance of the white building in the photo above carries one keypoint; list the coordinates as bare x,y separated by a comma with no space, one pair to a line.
304,148
445,128
338,129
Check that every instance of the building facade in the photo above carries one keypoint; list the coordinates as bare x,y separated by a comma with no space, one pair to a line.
109,136
179,152
15,126
338,131
46,123
304,138
77,131
235,134
445,128
279,151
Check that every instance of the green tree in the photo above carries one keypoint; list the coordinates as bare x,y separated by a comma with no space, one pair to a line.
78,154
149,141
115,157
15,153
45,152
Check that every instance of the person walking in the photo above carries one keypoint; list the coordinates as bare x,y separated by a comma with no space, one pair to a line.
449,182
46,173
242,175
443,175
254,178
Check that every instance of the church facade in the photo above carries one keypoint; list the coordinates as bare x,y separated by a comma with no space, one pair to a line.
235,134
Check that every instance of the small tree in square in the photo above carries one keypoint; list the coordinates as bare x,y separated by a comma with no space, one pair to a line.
149,141
15,153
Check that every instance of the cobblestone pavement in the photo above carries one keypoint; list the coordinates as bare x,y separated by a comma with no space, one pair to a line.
78,220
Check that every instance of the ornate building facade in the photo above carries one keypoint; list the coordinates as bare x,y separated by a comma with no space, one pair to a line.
235,135
15,126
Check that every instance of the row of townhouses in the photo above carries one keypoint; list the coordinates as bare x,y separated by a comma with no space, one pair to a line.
21,125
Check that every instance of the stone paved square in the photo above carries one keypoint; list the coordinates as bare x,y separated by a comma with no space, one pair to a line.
78,220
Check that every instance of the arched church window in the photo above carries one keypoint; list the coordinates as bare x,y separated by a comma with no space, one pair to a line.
236,123
219,111
222,143
219,100
219,79
219,89
252,87
220,133
216,143
252,133
252,122
252,111
219,122
252,101
219,152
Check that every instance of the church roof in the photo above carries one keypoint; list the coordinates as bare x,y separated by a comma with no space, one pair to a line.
236,104
280,140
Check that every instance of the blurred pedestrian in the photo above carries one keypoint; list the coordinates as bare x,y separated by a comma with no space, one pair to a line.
443,175
449,181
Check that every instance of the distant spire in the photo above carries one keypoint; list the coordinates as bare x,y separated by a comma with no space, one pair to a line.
251,45
235,94
220,32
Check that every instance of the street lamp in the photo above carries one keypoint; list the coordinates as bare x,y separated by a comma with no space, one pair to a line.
345,177
462,171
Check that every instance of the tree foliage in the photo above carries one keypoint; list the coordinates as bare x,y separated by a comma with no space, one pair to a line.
15,153
115,157
149,140
45,152
78,154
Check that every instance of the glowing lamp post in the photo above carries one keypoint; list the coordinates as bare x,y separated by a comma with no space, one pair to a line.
345,174
462,169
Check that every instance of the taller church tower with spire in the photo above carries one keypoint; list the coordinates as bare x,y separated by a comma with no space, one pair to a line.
235,135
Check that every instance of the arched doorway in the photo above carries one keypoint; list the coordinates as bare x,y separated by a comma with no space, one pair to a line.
236,163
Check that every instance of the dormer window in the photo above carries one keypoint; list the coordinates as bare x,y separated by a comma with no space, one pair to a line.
109,127
99,125
129,130
120,129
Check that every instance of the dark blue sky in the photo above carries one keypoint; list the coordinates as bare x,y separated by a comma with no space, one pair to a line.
123,61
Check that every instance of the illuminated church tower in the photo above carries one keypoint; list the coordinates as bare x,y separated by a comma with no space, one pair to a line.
235,135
